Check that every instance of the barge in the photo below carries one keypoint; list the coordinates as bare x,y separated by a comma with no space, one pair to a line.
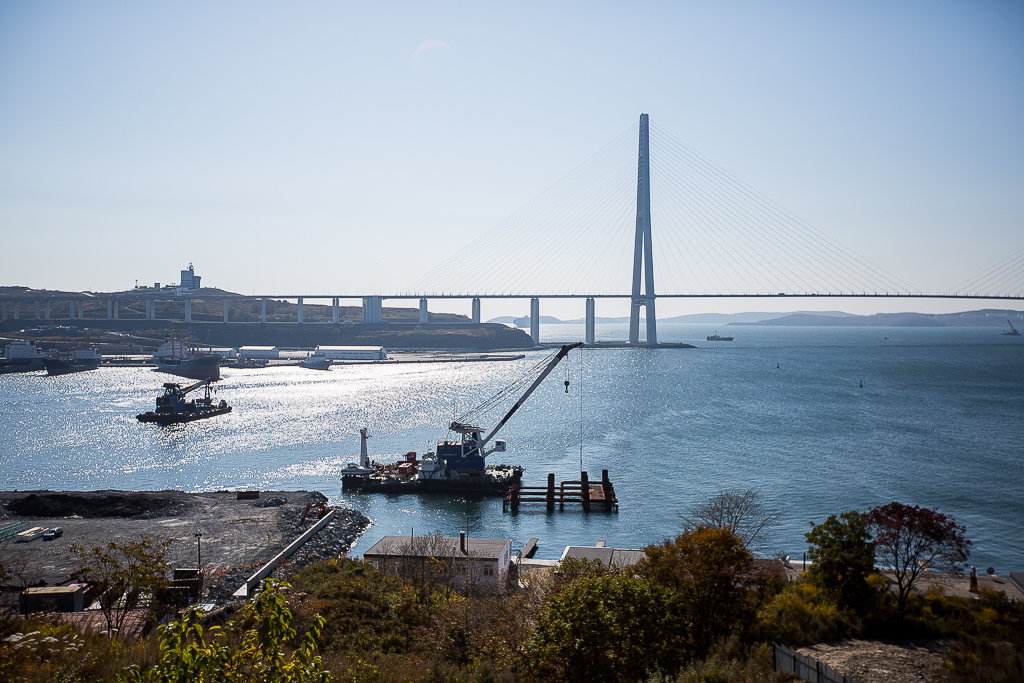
172,408
455,466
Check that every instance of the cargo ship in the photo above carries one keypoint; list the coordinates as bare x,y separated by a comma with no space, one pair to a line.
172,408
715,337
75,360
456,465
175,358
22,356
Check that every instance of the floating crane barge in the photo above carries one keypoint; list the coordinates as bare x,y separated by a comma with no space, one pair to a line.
172,408
459,465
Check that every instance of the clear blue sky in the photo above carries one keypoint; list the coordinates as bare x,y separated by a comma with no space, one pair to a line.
328,146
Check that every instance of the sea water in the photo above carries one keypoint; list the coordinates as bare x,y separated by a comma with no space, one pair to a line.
819,420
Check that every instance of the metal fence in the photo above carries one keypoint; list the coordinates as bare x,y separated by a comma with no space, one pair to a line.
807,668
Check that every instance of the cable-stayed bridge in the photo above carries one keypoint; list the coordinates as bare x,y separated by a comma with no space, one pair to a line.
688,228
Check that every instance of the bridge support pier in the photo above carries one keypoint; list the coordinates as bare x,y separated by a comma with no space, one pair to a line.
373,309
47,311
424,313
590,321
225,310
300,310
263,316
335,315
71,312
535,320
37,310
188,310
476,311
110,309
117,309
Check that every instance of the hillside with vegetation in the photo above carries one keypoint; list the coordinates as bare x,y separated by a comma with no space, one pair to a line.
697,608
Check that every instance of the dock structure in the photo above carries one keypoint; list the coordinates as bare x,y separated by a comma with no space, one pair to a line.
582,491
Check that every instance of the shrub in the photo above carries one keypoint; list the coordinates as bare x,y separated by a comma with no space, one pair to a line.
801,615
605,628
979,660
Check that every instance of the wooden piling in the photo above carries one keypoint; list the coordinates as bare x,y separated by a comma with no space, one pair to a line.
551,492
585,490
606,489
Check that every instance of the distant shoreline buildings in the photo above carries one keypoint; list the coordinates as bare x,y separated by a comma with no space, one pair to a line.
189,282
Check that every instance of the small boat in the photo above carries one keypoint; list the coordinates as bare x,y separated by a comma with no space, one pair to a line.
75,360
172,408
317,363
715,337
1012,332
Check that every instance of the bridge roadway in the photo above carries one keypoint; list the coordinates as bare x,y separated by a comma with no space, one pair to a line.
373,308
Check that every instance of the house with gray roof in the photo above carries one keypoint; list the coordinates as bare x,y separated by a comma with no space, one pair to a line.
609,557
464,562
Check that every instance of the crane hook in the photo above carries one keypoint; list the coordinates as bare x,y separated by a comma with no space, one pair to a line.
567,386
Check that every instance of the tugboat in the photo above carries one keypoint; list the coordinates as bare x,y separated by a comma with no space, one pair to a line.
456,465
317,363
172,408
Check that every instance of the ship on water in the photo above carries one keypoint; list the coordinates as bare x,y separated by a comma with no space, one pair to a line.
456,465
715,337
75,360
172,408
177,358
22,356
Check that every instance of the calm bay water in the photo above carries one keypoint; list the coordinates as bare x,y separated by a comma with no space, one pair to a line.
939,422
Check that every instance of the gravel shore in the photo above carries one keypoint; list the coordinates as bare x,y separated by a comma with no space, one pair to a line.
238,536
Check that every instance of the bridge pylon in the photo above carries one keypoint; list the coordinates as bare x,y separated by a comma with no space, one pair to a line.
643,245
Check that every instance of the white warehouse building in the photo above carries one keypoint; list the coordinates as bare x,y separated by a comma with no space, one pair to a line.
351,352
270,352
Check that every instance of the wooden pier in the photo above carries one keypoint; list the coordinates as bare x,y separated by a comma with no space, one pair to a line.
582,492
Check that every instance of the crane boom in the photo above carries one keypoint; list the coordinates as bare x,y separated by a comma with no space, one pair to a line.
170,386
562,353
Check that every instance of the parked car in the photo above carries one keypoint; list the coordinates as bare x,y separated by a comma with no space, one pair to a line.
55,532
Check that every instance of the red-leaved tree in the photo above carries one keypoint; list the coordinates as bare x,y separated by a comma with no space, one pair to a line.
909,540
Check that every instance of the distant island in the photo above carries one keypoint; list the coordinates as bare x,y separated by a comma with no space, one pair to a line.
981,318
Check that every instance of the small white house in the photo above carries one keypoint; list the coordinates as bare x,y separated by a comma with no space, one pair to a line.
267,352
351,352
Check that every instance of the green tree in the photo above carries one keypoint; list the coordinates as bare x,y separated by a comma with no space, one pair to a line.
843,558
704,568
125,575
604,628
188,656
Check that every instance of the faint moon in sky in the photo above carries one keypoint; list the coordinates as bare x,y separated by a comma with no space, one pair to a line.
431,52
